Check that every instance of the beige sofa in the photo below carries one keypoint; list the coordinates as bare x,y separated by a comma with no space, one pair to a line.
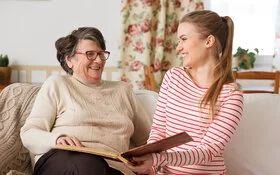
252,151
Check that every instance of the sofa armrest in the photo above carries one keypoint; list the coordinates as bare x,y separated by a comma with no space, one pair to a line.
16,101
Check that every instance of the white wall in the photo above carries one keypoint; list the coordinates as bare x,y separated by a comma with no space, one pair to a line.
29,28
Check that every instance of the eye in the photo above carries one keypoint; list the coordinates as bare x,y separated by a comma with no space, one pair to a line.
91,54
101,54
181,39
184,38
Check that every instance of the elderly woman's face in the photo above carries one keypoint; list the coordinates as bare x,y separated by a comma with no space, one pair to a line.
89,70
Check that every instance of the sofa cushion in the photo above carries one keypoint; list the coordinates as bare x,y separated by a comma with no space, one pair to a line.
148,100
254,149
15,105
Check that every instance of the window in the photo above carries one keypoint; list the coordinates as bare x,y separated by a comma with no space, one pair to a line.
254,22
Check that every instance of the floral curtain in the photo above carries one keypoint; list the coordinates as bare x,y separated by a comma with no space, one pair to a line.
149,36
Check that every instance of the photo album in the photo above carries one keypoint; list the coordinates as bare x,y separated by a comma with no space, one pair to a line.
155,147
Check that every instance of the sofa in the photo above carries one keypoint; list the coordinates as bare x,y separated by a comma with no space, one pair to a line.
252,151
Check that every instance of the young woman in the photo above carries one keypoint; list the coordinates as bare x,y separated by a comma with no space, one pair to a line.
199,98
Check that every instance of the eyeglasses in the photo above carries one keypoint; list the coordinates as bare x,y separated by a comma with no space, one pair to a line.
92,55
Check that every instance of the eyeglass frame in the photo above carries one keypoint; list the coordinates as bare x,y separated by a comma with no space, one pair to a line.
97,54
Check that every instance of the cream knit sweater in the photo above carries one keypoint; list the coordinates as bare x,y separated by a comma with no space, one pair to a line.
104,116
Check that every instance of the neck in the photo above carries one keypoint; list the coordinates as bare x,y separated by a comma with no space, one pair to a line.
85,82
203,77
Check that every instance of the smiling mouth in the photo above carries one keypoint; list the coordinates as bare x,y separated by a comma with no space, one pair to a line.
183,55
95,67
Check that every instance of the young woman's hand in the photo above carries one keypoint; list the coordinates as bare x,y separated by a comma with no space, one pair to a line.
66,140
143,165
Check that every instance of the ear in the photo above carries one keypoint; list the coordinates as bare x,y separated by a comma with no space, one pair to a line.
69,62
210,41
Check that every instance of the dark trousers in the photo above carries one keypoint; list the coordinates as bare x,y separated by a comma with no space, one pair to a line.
62,162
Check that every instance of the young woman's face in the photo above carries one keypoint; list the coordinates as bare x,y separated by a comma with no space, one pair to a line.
89,70
191,46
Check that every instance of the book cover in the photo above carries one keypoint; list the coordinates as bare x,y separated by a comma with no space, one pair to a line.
125,157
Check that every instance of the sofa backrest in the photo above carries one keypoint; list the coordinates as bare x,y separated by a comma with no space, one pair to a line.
254,149
148,100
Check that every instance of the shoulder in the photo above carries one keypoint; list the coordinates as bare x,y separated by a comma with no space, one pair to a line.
175,72
56,80
231,87
231,90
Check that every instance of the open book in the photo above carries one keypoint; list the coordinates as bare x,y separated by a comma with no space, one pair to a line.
125,157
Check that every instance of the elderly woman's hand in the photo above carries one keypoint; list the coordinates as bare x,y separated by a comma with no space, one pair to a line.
66,140
143,165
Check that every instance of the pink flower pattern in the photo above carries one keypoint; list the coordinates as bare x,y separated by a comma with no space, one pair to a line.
159,42
147,40
174,25
133,29
136,65
145,25
157,65
128,40
139,47
149,2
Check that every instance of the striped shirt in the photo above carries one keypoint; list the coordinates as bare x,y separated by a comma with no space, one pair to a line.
178,109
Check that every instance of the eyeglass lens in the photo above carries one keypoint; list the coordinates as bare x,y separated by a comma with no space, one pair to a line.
91,55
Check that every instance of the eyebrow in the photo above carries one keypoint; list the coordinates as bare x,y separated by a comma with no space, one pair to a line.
183,35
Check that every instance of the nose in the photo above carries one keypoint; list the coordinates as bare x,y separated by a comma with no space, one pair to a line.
178,48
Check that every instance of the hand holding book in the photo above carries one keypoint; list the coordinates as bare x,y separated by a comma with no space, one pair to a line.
125,157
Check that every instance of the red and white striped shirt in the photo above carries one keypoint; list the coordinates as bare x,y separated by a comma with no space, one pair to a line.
178,109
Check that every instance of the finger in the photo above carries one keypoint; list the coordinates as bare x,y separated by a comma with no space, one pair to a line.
61,141
130,165
70,141
139,159
77,142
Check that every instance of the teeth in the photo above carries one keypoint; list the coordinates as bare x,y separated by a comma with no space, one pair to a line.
95,67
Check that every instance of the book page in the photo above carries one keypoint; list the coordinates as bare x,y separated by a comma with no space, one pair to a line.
109,155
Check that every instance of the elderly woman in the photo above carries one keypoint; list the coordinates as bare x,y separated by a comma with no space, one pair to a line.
81,109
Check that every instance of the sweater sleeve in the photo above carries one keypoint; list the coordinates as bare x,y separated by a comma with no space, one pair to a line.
35,133
213,144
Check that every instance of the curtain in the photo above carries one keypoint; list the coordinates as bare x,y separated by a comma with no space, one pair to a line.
148,37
